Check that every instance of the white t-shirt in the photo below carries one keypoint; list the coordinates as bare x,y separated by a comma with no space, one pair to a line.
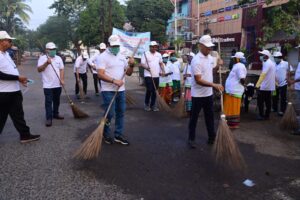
233,84
281,73
114,67
153,61
80,65
202,65
92,59
187,70
297,76
175,68
268,84
166,79
8,66
49,77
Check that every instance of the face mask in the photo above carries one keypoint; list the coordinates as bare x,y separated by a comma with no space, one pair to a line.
261,58
277,60
114,50
173,59
244,61
52,53
165,60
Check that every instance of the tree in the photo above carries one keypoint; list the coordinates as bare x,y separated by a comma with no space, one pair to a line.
13,13
93,24
149,15
56,29
71,10
284,18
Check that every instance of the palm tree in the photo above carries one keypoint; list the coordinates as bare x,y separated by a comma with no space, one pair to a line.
13,13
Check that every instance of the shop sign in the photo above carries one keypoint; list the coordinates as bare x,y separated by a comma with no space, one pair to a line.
213,20
208,13
235,16
216,40
229,8
215,12
236,7
227,17
220,19
221,10
202,15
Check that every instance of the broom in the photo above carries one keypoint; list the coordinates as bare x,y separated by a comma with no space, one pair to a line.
225,148
81,92
91,147
179,109
289,120
160,101
77,113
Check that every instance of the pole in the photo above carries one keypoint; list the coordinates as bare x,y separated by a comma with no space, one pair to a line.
198,18
175,19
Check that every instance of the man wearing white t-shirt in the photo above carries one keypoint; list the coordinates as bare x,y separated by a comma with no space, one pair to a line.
80,69
202,90
10,94
111,66
266,84
91,62
175,68
281,77
152,63
52,81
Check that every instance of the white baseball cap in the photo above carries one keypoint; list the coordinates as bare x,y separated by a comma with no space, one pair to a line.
85,55
265,52
50,45
206,41
102,46
4,35
277,54
114,40
238,55
191,54
165,55
153,43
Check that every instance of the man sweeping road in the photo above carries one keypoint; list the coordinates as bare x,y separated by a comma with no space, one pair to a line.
111,66
202,90
51,83
10,94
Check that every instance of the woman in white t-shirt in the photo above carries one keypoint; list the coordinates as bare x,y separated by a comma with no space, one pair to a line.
165,80
234,89
187,77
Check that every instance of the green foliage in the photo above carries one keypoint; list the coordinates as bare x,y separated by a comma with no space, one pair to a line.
149,15
94,24
13,13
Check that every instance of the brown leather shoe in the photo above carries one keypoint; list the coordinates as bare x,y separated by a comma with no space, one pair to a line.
58,117
48,122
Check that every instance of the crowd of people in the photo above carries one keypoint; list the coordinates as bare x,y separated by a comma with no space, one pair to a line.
164,73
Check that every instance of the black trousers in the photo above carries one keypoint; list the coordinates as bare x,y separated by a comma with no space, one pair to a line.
83,77
96,81
52,102
264,98
150,90
197,104
11,104
282,93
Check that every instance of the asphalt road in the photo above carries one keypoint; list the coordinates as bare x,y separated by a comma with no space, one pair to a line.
157,164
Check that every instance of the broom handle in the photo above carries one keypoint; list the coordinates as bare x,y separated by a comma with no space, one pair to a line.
116,92
150,72
220,76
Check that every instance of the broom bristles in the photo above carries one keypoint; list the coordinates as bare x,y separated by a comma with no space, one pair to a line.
77,113
161,103
130,100
289,120
81,92
225,148
91,147
179,109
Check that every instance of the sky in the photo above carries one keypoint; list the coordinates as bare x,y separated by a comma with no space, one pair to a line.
41,12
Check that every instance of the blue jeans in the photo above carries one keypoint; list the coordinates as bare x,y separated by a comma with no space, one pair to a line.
117,109
52,101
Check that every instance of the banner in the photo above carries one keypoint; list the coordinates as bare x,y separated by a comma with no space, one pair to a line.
129,41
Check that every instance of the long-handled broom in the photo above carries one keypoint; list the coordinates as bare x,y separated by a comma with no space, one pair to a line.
225,148
179,109
160,101
77,113
91,147
289,120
